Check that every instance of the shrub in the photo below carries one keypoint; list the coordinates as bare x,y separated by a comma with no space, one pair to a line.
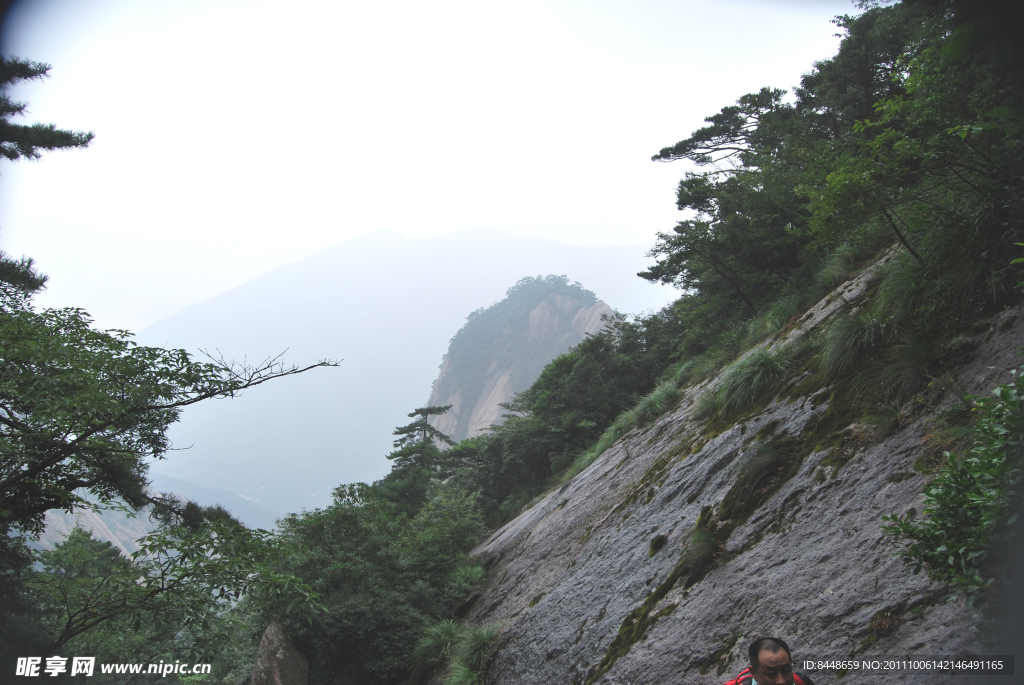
969,497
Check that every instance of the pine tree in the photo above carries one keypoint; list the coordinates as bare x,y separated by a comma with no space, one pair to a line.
417,444
18,141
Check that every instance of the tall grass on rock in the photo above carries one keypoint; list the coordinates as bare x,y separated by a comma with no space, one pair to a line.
773,320
850,339
461,674
839,266
471,576
476,645
436,646
751,378
659,401
465,650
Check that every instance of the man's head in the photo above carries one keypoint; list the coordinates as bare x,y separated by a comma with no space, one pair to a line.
771,662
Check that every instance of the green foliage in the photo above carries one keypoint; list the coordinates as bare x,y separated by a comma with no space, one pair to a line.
751,378
84,413
970,496
21,273
436,645
471,575
17,141
660,400
465,650
578,398
705,405
476,646
381,576
172,593
839,266
850,338
84,410
774,319
462,674
417,442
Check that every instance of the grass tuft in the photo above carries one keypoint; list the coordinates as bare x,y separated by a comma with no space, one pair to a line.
476,645
773,320
659,401
901,287
471,576
705,405
839,266
751,378
461,674
436,646
850,339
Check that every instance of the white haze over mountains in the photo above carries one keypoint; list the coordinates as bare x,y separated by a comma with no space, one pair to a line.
386,305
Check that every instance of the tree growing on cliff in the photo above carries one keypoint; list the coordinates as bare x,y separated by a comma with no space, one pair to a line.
416,458
417,442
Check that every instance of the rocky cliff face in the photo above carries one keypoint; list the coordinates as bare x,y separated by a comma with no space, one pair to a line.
609,579
114,527
552,327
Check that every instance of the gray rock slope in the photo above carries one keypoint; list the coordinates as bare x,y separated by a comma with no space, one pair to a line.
809,563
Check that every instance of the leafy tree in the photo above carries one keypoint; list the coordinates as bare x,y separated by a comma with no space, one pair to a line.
82,410
737,248
380,574
172,596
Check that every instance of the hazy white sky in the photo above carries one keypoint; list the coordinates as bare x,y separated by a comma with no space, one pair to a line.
233,137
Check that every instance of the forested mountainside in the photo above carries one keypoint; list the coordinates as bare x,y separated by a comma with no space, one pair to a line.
830,406
502,349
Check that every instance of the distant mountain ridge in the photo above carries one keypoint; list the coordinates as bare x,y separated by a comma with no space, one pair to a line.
502,349
385,304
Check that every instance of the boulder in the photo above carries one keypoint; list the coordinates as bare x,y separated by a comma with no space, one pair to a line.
277,661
